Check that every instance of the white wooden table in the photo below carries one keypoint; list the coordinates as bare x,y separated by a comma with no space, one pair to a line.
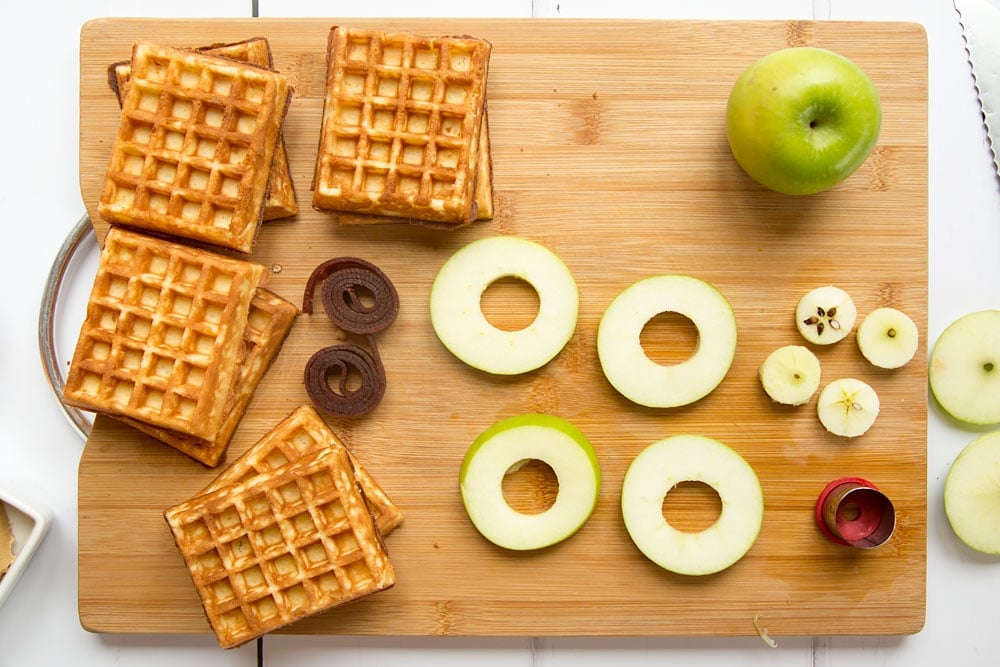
39,451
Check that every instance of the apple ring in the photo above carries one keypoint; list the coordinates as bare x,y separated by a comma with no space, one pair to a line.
506,445
642,380
458,319
692,458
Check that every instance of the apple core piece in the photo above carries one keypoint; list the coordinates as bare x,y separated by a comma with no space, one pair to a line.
505,446
972,494
888,338
847,407
692,458
458,319
825,315
790,374
642,380
964,368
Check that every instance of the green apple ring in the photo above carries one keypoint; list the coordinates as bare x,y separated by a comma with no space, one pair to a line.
642,380
683,458
458,319
502,448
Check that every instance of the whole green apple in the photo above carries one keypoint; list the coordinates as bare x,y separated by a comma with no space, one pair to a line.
802,119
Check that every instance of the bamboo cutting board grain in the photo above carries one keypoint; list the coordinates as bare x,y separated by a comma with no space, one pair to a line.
609,148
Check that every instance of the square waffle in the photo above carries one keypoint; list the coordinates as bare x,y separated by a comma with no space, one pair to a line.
194,149
162,335
280,546
280,202
404,127
271,318
301,433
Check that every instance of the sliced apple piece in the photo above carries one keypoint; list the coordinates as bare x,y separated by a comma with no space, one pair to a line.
642,380
964,369
847,407
458,319
888,338
692,458
825,315
972,494
503,448
790,374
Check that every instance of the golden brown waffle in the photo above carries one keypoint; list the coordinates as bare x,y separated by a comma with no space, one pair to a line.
271,318
404,126
194,149
280,202
280,546
161,339
300,433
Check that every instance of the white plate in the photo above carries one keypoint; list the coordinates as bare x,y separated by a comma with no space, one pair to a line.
29,523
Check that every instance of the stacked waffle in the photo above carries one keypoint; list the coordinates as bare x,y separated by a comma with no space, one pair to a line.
175,341
194,150
280,202
293,527
404,131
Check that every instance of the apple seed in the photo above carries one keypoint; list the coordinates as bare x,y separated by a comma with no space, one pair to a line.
824,318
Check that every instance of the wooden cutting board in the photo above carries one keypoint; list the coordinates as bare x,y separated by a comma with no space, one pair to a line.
609,148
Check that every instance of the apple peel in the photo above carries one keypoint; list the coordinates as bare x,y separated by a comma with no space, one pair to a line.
762,631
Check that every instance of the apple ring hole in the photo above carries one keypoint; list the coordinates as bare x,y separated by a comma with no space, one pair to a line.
692,506
510,303
669,338
530,486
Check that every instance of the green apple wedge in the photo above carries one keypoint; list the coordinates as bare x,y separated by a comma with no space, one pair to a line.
510,443
964,368
972,494
802,119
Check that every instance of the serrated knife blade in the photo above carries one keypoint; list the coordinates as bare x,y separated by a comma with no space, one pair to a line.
980,21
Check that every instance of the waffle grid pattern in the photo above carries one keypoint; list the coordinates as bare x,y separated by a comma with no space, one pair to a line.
278,547
195,146
298,435
401,125
270,319
280,202
162,333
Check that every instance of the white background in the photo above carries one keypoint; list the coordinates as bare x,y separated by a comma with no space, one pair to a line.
39,452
